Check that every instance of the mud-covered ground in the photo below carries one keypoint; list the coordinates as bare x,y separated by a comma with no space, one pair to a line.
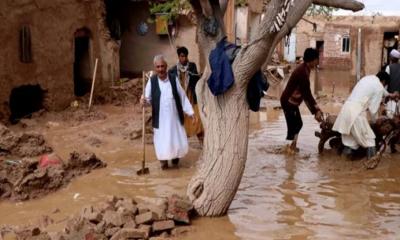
302,196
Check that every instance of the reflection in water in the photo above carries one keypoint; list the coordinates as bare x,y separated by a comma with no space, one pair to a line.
308,196
305,196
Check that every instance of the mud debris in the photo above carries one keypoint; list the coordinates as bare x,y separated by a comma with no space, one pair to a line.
76,116
30,178
117,219
127,92
22,144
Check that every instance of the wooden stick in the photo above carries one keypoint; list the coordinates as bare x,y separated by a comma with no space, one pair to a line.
93,81
143,123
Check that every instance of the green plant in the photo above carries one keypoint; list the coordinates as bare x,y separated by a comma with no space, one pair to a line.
316,10
169,9
240,3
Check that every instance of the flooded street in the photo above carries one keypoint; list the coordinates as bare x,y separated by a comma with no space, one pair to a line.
305,196
308,196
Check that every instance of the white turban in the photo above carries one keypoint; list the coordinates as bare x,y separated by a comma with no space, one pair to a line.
395,54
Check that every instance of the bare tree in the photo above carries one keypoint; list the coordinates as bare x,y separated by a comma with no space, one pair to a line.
226,117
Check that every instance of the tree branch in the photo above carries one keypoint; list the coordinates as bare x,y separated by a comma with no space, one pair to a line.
260,48
196,7
207,9
343,4
223,4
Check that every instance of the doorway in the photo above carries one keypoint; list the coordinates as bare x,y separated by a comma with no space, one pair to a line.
82,64
320,48
25,100
390,42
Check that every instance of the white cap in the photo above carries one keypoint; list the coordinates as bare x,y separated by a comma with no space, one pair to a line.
395,54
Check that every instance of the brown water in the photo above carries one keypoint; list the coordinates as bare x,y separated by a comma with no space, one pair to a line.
306,196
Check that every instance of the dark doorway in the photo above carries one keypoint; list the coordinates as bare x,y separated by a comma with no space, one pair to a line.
25,100
390,41
320,48
82,62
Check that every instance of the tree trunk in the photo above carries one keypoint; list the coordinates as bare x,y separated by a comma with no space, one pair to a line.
226,117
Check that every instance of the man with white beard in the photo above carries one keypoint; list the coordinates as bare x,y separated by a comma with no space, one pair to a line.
169,104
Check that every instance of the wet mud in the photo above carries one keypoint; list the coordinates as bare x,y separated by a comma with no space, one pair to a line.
300,196
21,144
31,178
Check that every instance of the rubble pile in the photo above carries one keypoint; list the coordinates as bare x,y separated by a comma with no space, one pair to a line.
128,92
21,144
120,219
31,178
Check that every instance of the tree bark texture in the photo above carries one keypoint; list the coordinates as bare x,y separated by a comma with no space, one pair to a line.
226,117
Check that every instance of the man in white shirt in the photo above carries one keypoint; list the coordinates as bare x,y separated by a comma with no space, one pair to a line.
169,104
352,120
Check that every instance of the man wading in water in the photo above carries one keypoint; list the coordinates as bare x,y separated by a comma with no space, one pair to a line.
297,90
169,103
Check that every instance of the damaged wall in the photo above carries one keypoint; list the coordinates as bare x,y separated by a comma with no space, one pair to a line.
137,51
332,32
52,26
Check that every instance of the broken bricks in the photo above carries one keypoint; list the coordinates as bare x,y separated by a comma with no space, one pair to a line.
119,218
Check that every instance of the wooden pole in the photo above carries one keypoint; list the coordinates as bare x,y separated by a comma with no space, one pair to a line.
93,81
143,123
358,66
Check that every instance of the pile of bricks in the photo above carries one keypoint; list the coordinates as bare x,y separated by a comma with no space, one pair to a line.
123,218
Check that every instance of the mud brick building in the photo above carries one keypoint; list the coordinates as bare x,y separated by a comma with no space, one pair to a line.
337,38
48,49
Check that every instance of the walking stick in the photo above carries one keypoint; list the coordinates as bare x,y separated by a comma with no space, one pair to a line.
144,169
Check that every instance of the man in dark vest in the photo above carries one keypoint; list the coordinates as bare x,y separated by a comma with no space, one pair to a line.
169,104
393,69
186,73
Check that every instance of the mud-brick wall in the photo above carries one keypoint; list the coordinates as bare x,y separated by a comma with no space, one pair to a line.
372,44
137,51
52,25
333,54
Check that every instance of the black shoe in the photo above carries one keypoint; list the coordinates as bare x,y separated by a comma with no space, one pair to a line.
164,165
175,161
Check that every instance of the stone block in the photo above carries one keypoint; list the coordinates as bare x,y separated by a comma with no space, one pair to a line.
163,225
130,233
130,224
147,217
111,231
127,204
113,218
146,228
179,209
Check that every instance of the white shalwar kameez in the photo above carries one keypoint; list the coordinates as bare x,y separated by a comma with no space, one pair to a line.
352,120
170,140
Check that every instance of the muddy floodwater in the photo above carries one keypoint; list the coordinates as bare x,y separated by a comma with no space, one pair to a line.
305,196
